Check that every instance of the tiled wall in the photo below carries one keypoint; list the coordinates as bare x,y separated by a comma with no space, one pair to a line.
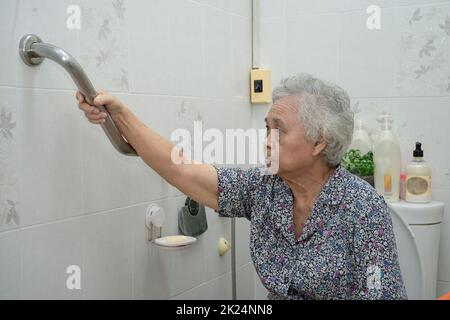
66,196
404,69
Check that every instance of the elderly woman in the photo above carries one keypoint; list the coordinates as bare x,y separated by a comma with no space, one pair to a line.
317,231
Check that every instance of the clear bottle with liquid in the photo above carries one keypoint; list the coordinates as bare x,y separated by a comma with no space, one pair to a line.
361,139
387,160
418,178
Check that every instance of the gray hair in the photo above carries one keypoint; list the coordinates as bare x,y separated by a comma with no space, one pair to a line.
324,111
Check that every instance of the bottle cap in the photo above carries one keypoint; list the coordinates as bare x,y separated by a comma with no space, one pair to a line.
418,152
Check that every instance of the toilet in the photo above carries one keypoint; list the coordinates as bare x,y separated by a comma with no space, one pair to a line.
417,230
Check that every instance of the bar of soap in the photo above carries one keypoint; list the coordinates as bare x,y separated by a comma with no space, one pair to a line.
176,239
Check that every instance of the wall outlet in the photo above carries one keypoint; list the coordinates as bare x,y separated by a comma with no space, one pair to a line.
260,86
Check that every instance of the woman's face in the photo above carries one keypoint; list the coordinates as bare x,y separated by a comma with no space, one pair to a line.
295,152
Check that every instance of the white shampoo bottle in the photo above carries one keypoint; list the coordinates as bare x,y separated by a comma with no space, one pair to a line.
387,160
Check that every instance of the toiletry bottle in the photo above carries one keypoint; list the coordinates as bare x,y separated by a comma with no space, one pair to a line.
402,183
361,140
387,160
418,178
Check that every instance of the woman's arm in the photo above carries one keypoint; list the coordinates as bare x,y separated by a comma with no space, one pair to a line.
196,180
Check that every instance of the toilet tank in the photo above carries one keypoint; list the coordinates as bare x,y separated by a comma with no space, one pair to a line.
417,231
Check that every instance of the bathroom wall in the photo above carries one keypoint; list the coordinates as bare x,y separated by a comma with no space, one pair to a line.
404,69
66,196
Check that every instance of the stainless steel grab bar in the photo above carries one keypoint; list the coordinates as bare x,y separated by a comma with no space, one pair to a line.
33,51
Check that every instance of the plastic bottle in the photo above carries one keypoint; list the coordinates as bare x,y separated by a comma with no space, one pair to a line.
402,195
387,159
361,140
418,178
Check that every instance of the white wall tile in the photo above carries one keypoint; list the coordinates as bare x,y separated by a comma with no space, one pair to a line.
104,50
187,268
8,65
424,63
392,61
10,268
152,267
245,282
150,67
217,53
47,19
242,242
364,4
223,5
369,58
272,50
48,250
245,151
179,269
215,264
217,289
312,45
187,73
302,7
271,8
242,58
108,255
50,156
242,8
10,170
259,112
417,2
225,115
213,114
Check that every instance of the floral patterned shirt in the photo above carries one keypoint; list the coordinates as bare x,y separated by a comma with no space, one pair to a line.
347,248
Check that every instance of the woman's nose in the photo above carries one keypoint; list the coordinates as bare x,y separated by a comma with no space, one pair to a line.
268,142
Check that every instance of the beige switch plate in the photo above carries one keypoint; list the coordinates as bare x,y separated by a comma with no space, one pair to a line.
260,86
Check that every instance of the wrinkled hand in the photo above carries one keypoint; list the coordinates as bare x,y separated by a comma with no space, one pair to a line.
93,113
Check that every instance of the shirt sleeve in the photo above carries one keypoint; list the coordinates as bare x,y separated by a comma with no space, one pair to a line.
377,269
236,191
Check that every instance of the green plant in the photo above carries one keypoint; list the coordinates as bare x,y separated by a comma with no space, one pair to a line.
356,163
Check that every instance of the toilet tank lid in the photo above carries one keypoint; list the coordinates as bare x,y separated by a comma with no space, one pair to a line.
419,213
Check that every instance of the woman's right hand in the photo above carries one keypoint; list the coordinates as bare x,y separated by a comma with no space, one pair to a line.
93,113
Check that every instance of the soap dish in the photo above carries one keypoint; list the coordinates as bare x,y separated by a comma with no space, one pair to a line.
174,241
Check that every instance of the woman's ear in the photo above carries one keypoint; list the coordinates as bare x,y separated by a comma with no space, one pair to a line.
319,146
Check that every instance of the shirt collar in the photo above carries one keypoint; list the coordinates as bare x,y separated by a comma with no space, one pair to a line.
330,196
